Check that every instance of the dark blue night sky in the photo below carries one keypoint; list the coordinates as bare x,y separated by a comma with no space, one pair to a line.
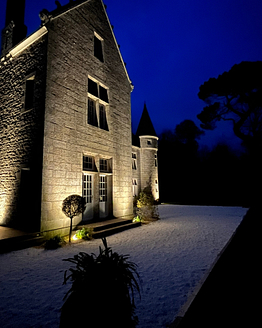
171,47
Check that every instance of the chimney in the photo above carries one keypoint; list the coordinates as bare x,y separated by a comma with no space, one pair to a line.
15,29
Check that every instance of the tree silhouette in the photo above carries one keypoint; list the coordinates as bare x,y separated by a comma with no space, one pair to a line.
178,162
72,206
187,132
235,96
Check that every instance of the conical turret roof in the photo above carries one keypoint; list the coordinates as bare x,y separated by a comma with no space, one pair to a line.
145,126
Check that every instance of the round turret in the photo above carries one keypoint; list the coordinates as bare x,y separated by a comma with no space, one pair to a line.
148,155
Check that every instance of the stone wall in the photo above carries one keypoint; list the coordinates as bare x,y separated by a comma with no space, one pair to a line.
21,138
149,168
67,135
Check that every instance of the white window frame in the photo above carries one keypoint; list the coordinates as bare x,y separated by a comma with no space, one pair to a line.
103,188
87,186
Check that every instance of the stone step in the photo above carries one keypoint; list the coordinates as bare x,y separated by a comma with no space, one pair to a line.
115,229
20,242
110,227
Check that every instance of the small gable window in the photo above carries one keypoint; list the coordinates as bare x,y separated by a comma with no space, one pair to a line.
29,93
98,47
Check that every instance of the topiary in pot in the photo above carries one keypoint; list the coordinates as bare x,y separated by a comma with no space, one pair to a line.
72,206
102,291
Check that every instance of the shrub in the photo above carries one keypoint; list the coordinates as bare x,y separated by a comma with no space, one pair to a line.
103,289
147,208
137,219
85,233
54,242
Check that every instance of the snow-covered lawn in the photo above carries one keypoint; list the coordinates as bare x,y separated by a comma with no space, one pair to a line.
172,256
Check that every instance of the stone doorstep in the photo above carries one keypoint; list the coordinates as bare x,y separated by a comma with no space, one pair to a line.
109,227
12,240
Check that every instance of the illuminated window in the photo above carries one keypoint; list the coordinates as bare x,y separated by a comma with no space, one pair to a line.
29,93
97,105
98,47
134,163
88,163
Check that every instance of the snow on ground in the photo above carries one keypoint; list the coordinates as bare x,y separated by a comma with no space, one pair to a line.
172,255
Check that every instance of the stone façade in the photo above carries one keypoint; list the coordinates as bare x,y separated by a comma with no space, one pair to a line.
42,148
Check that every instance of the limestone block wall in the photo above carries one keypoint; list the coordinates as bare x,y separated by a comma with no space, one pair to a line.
68,136
21,137
149,164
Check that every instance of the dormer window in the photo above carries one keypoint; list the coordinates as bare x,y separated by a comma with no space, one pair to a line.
98,47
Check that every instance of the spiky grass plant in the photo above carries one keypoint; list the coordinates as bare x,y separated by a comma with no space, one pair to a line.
85,233
103,289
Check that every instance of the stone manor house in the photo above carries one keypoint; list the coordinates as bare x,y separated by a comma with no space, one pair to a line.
65,120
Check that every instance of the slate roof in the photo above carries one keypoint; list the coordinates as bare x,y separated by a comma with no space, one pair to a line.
145,126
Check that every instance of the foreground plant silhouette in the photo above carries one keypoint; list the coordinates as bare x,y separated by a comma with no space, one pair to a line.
102,292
